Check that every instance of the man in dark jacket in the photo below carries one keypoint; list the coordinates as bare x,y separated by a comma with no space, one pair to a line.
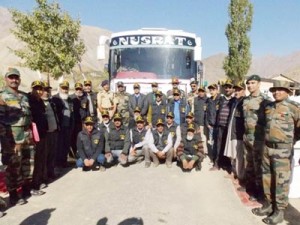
90,146
88,101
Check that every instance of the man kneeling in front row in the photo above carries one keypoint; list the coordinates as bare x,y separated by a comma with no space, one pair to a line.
190,151
90,147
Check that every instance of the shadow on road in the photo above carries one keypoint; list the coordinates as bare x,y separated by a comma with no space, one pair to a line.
292,215
40,218
128,221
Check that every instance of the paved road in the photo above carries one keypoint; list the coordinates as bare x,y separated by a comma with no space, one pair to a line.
136,195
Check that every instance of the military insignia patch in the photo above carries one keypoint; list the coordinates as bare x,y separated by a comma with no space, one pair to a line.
163,111
122,136
172,133
195,146
83,105
96,141
183,109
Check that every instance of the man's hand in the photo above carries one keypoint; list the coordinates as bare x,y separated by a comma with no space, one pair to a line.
123,156
133,151
161,155
107,155
17,148
92,161
86,162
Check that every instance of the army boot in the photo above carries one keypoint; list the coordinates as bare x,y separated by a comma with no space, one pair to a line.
276,217
265,210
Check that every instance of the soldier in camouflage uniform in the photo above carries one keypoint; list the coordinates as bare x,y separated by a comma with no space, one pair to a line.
192,94
254,114
16,117
282,131
123,100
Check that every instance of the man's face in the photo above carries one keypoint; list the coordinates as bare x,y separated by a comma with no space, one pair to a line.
140,125
228,90
176,97
189,120
38,91
64,90
105,119
136,90
154,89
170,120
87,88
78,92
106,87
253,85
201,94
89,127
239,92
193,87
117,123
213,92
46,93
160,128
13,81
158,98
121,88
280,94
136,114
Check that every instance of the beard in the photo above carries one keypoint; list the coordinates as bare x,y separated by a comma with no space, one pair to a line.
63,96
189,137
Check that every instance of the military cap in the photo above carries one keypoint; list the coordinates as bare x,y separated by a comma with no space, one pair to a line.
240,85
117,116
87,82
175,80
228,82
88,120
193,82
139,119
201,88
64,84
46,85
78,85
170,114
12,71
253,77
213,86
190,115
137,109
105,82
104,113
159,93
159,122
191,127
37,83
120,84
281,84
136,85
154,84
176,91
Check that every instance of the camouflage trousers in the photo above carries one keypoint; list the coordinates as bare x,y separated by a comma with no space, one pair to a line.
18,171
276,166
125,116
253,171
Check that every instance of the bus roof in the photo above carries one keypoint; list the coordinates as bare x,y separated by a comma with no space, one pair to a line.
154,31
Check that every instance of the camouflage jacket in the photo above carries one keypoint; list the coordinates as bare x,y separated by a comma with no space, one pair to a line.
123,101
254,114
283,122
15,113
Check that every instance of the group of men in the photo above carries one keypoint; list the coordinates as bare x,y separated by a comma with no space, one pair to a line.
250,136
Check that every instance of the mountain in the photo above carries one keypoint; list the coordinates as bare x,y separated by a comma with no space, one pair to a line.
266,66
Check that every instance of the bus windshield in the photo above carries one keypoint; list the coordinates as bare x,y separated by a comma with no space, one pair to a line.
159,63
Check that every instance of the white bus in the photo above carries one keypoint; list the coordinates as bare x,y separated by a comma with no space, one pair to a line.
152,55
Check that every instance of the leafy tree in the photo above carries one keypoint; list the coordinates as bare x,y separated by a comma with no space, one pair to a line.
238,60
51,36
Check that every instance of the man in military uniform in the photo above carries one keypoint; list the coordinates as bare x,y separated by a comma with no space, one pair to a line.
106,100
117,141
179,107
254,114
200,107
160,144
139,143
174,129
190,151
90,145
175,85
157,110
282,131
123,102
88,101
16,117
192,94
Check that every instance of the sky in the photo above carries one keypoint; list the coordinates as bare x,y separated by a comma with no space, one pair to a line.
275,28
